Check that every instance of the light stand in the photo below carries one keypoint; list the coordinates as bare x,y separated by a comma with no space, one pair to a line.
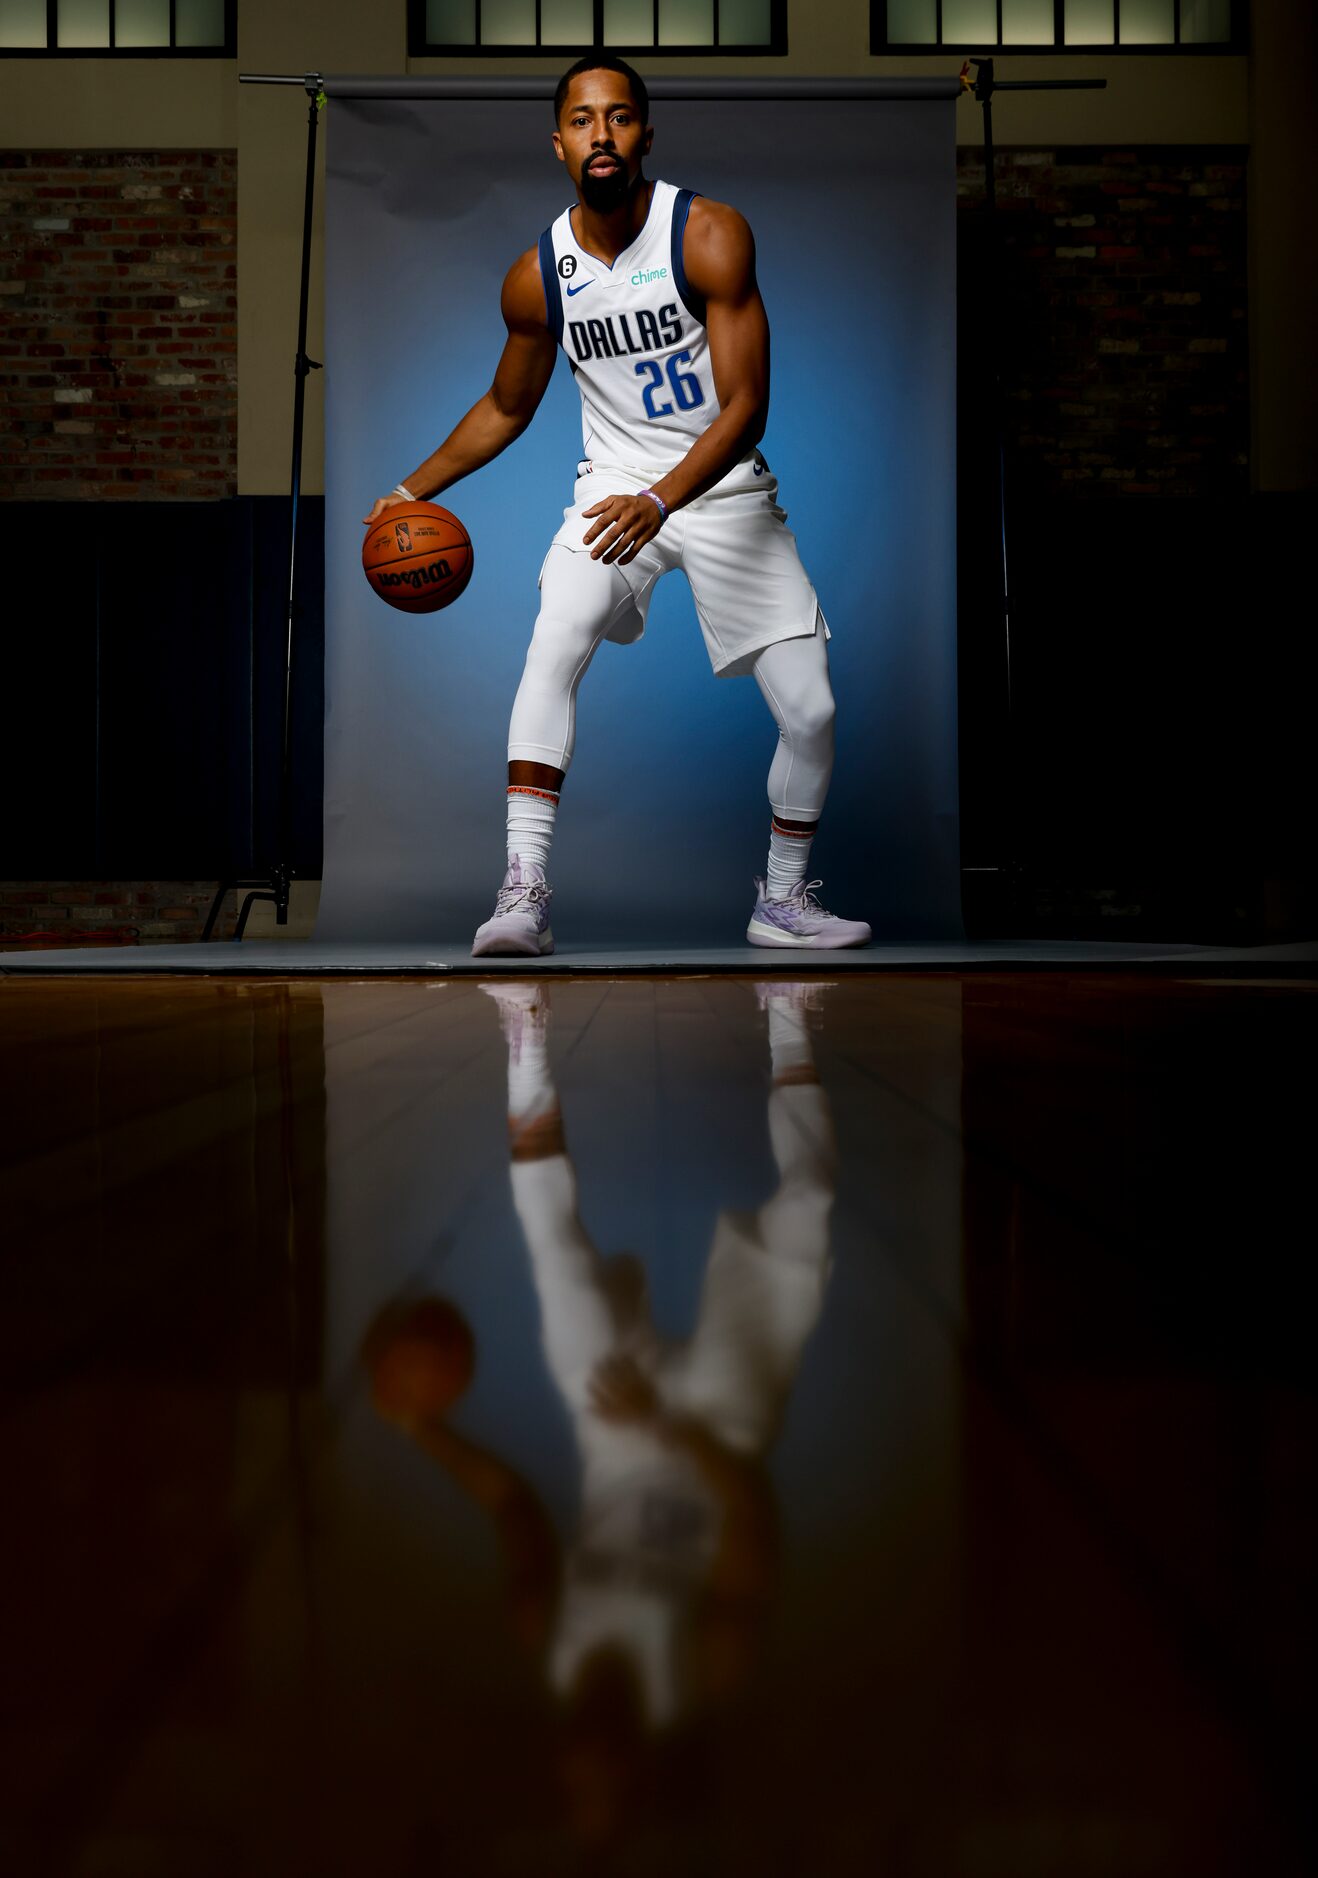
274,884
1008,868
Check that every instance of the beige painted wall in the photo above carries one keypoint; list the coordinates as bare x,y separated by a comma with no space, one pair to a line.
118,104
198,103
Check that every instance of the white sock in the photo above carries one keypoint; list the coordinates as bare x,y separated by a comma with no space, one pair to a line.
789,1041
531,814
789,858
530,1088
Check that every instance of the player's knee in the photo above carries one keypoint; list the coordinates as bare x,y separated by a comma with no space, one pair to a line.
812,716
556,650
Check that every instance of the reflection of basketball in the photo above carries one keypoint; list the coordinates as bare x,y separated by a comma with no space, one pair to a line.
420,1358
417,557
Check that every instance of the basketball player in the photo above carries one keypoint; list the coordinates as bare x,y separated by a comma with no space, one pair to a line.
651,292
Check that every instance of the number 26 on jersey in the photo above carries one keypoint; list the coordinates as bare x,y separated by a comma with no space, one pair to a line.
685,386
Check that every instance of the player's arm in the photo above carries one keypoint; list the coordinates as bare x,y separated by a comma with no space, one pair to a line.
719,256
500,417
528,1544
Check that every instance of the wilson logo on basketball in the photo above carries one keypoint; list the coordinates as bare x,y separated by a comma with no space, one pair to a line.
413,576
404,535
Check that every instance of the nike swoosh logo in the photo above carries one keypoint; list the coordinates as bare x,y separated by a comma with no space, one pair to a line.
581,289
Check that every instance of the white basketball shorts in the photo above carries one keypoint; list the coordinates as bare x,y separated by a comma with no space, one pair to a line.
737,552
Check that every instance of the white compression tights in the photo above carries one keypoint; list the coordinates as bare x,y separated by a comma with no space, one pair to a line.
582,601
793,679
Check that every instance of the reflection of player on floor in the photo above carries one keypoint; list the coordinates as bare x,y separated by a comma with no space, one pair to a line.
651,292
653,1614
675,1534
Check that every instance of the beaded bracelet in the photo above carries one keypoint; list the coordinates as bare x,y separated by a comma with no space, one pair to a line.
658,501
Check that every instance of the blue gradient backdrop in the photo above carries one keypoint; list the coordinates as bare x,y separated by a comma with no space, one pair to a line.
664,815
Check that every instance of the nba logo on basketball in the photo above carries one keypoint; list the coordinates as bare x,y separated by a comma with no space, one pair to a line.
404,535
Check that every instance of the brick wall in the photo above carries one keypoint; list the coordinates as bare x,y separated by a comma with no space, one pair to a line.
1124,320
1124,333
158,912
118,334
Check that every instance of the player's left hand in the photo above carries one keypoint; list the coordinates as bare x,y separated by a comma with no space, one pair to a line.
624,526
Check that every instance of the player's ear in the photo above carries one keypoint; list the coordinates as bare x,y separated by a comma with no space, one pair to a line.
558,148
649,139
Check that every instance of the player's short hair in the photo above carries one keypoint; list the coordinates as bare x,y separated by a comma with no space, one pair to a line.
604,62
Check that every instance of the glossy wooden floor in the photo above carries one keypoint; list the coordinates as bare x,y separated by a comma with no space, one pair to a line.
890,1449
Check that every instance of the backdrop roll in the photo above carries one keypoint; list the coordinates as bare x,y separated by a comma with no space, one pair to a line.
852,205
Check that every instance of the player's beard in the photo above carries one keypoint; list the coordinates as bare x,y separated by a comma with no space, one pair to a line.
603,194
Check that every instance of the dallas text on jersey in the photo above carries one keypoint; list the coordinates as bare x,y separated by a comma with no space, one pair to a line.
599,339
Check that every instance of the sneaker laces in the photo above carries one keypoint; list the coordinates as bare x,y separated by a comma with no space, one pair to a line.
533,893
809,904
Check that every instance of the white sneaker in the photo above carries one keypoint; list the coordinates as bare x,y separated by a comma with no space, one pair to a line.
799,920
519,925
523,1011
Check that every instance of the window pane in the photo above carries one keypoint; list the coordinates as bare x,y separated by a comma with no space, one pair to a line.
686,22
1205,22
507,22
913,22
628,23
1027,22
141,22
199,23
968,22
1089,23
450,22
744,23
22,22
84,23
1148,23
566,22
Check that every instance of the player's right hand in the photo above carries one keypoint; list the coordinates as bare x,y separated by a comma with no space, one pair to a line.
382,503
620,1391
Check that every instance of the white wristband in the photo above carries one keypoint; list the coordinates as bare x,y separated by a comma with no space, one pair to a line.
401,489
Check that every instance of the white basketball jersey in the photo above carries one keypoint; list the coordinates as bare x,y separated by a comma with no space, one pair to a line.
634,335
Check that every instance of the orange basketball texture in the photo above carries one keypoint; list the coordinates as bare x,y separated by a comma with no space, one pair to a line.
420,1357
417,557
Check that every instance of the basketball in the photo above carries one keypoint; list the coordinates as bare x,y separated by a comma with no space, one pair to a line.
420,1358
417,557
